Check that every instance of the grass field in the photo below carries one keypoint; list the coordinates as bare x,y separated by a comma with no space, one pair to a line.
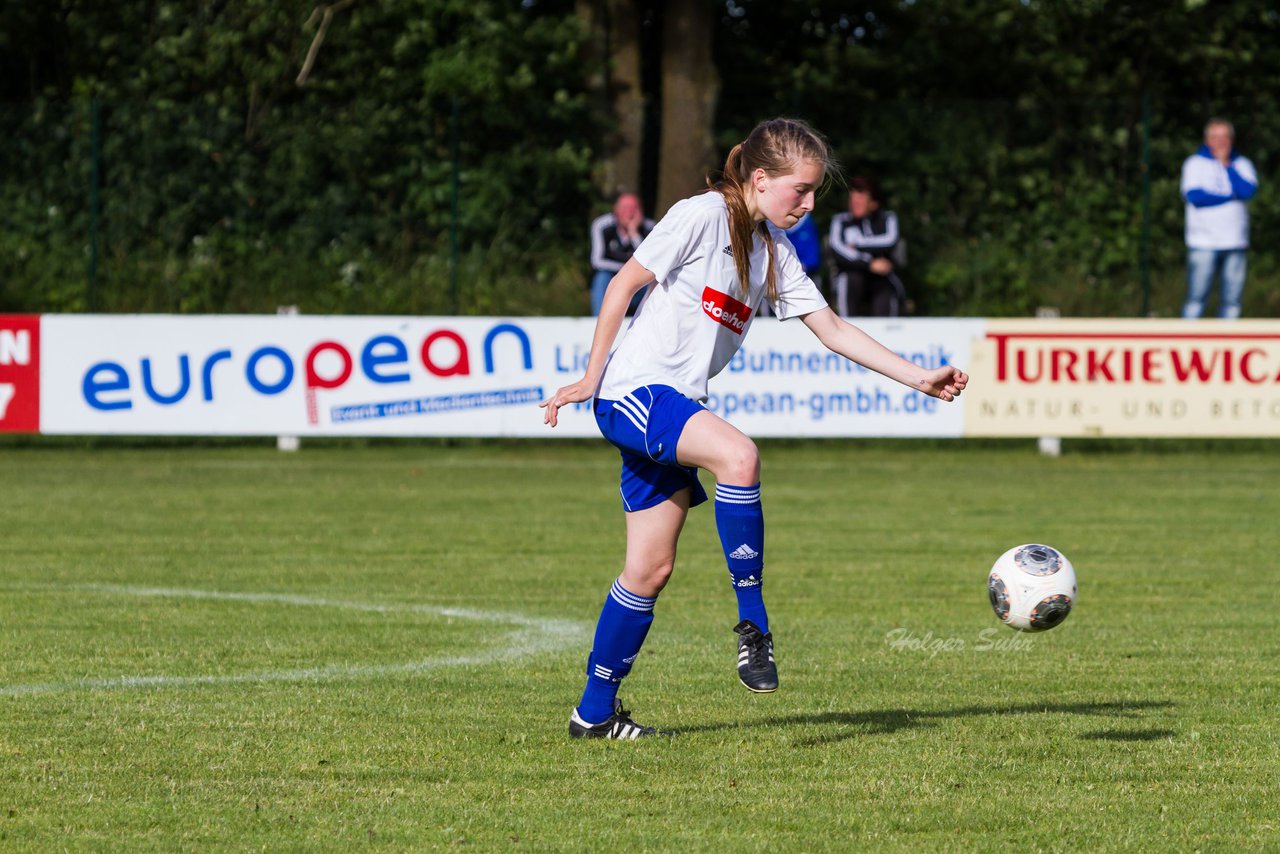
229,647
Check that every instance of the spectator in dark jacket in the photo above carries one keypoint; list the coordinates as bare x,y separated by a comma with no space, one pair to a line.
614,237
864,243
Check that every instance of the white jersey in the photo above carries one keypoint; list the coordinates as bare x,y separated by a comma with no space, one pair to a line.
1221,226
692,319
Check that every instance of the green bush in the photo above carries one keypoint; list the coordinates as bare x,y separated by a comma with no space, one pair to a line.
225,186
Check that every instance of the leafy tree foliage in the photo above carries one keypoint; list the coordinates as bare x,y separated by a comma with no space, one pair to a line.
1010,135
223,176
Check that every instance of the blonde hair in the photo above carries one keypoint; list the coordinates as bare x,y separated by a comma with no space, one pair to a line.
777,146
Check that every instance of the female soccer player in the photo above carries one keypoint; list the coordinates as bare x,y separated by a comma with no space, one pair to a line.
707,266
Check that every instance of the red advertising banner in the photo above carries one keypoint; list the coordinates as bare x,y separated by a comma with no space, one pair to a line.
20,373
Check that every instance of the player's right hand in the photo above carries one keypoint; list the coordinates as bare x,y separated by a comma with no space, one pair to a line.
575,393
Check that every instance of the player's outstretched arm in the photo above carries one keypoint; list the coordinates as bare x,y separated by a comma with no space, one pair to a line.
613,310
840,336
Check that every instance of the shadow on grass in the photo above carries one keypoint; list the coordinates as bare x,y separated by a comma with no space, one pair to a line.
882,722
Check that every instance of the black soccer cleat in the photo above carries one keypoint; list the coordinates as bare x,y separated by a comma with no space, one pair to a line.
619,726
756,667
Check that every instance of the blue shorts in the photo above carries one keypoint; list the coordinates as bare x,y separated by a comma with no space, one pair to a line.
645,426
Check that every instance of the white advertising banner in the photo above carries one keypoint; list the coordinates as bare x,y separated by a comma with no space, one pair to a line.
1143,378
444,376
783,382
297,375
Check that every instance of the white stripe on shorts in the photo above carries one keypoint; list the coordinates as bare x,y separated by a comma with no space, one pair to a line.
630,417
635,408
639,405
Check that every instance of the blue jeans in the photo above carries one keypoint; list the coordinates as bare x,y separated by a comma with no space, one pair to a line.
600,280
1202,264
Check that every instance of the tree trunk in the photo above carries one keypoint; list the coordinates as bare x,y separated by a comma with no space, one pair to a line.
595,56
690,87
623,172
613,76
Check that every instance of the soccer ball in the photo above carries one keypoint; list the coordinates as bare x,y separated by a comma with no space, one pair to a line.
1032,587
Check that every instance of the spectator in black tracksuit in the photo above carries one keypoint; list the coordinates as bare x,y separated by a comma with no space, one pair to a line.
864,244
614,237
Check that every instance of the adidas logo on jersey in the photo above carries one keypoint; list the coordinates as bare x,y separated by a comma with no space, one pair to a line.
749,581
728,250
743,552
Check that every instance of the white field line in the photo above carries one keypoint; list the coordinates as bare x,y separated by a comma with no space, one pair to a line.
532,635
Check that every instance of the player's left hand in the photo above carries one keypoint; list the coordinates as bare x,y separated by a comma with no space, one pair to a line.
944,383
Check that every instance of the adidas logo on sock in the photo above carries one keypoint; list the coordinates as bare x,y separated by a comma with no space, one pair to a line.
743,552
749,581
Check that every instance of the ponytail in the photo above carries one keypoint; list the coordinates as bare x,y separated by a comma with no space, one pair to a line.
776,146
741,228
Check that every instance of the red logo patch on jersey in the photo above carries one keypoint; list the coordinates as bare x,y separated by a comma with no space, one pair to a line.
725,310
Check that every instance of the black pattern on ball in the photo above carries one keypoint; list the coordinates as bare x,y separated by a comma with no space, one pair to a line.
999,596
1050,611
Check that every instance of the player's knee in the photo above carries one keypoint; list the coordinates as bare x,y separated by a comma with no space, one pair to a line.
648,577
741,465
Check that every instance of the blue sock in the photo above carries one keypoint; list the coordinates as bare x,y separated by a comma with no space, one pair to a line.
624,622
740,522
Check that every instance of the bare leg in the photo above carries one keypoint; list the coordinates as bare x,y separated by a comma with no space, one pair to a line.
711,443
651,544
628,610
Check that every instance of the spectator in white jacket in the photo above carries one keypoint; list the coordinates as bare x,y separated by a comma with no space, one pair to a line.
1217,182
